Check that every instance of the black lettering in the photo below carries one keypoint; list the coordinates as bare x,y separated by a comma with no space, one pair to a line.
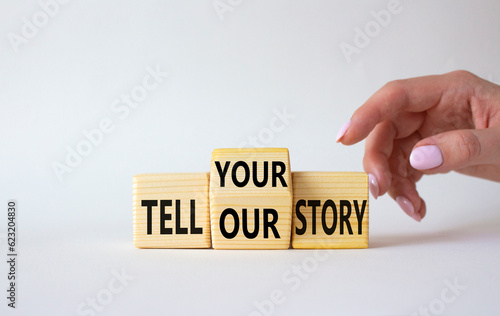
165,217
254,172
300,217
194,230
313,203
256,224
277,174
222,173
247,174
344,218
178,229
270,224
329,230
149,204
222,224
359,215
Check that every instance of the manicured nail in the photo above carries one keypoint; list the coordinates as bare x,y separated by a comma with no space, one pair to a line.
342,131
426,157
408,208
373,184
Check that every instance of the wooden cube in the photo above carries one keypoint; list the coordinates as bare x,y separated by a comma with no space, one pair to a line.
250,198
330,210
171,210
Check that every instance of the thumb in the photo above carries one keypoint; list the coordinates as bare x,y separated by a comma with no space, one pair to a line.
457,149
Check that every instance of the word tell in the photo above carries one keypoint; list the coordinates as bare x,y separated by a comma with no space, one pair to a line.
171,210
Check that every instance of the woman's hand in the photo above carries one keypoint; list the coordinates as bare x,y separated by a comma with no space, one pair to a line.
427,125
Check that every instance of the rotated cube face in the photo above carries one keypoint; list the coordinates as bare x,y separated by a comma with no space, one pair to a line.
250,198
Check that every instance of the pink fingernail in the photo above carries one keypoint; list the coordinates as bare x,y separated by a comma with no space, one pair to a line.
342,131
426,157
407,207
373,184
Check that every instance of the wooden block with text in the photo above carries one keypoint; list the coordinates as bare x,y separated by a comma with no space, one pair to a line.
330,210
171,210
250,198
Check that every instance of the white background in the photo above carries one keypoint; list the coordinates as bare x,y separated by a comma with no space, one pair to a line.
229,72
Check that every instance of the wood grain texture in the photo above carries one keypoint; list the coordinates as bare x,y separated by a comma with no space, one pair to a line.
337,187
250,197
172,186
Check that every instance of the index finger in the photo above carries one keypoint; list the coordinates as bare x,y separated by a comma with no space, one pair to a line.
411,95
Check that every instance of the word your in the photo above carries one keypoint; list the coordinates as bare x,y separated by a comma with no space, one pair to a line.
362,38
179,230
40,19
240,184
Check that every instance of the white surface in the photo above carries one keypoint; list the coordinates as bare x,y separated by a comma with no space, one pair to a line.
226,79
